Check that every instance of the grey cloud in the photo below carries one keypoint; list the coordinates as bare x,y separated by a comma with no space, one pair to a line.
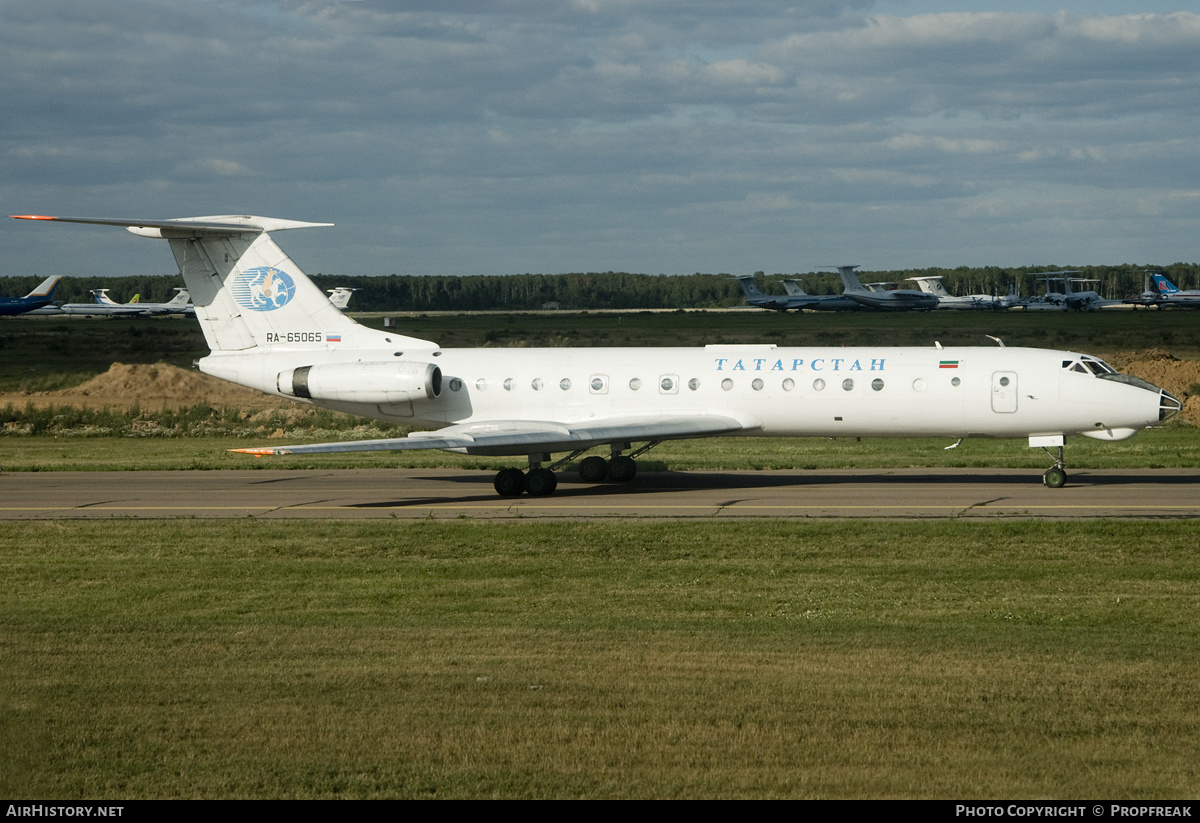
671,136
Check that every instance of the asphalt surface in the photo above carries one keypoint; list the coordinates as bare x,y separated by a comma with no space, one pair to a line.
449,493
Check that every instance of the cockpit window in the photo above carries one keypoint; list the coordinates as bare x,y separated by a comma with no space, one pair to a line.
1089,365
1098,366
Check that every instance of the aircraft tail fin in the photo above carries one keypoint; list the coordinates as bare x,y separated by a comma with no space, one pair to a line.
850,281
340,297
794,289
931,285
247,293
102,298
46,287
748,287
1164,285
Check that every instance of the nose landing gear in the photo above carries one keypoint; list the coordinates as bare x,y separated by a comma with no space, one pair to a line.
1055,476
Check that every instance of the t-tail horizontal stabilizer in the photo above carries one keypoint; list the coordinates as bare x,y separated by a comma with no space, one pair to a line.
246,292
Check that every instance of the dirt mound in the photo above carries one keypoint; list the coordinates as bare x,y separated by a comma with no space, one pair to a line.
1179,377
150,386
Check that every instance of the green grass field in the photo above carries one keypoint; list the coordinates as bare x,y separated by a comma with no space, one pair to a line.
640,659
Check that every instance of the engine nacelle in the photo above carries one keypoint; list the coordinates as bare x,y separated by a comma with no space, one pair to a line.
397,382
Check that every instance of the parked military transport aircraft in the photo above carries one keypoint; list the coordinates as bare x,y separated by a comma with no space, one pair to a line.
796,298
1069,298
269,327
821,302
884,299
34,300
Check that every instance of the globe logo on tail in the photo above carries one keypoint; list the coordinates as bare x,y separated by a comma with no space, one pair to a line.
263,289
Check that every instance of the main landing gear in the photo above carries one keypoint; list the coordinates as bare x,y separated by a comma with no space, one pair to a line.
541,482
1055,476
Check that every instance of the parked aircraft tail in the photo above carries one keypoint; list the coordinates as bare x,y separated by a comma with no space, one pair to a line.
1164,285
46,287
794,289
850,281
340,297
748,287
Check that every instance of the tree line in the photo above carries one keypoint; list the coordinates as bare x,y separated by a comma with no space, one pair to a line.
614,290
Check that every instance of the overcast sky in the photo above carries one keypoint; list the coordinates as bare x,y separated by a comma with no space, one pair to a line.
658,136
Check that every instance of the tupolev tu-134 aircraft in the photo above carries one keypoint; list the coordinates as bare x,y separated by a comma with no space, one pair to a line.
270,328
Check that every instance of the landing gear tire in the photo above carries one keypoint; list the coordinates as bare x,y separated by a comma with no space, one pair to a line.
593,469
540,482
510,483
622,469
1055,478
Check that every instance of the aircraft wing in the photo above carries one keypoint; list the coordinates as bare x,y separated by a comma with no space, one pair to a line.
501,437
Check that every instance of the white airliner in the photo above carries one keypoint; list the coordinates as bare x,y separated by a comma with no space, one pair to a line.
1168,294
106,306
269,327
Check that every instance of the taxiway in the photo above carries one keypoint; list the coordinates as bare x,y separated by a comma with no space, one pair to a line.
449,493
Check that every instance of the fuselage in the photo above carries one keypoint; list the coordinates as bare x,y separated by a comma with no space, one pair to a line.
773,391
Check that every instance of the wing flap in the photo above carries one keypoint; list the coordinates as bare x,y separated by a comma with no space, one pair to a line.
510,437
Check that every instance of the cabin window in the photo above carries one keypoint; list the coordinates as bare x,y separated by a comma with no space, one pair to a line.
599,384
635,383
757,384
508,384
455,384
819,384
789,384
694,384
565,383
848,384
876,385
481,384
918,385
954,381
727,384
536,384
1004,381
668,384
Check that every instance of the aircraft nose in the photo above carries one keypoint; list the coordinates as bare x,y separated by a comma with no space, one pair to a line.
1168,405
